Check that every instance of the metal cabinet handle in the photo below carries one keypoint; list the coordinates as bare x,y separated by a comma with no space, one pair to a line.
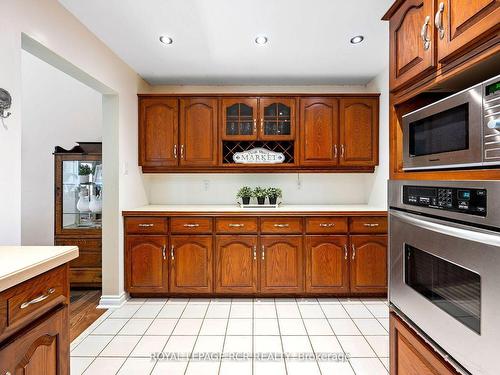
281,225
182,152
255,253
236,225
172,252
353,251
335,151
262,125
255,126
345,251
424,33
146,225
438,20
342,151
38,299
326,225
263,251
164,252
175,151
191,225
371,225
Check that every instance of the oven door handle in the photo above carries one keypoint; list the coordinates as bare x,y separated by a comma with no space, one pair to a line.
449,228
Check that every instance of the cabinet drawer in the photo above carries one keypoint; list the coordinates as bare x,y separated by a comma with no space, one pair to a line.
236,225
83,244
326,224
36,295
191,225
281,225
150,225
87,258
367,224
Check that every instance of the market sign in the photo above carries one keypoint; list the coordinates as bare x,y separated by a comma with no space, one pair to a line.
258,155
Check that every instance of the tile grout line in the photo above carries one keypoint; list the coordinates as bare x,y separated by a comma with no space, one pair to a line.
197,335
307,332
281,336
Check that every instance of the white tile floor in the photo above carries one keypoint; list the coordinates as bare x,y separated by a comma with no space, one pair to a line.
121,341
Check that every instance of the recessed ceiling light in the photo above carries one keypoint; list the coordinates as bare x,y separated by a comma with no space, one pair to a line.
261,40
166,39
357,39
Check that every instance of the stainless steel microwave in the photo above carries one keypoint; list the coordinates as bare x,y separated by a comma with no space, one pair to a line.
459,131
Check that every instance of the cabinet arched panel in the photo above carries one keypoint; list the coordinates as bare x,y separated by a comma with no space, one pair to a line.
369,264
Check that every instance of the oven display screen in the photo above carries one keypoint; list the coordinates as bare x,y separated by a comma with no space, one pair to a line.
464,195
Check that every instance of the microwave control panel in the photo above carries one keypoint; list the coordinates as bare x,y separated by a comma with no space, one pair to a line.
468,201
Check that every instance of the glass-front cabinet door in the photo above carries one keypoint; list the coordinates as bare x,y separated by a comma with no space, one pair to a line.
277,119
79,191
239,118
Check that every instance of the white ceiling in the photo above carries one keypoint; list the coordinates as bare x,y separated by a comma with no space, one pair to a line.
214,39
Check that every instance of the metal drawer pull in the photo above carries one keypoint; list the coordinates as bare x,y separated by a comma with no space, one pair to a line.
424,33
191,225
175,151
353,251
182,152
263,249
327,225
236,225
438,20
345,251
342,151
146,225
335,151
281,225
371,225
172,252
255,253
38,299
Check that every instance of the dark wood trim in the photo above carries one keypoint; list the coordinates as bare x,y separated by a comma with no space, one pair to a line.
257,169
260,94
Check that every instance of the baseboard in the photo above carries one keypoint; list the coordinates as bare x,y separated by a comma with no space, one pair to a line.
112,301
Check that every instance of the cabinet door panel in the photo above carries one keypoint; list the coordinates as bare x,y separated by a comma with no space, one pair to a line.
236,270
464,22
327,268
359,132
239,119
147,268
191,264
277,118
281,264
198,132
158,132
43,349
369,264
319,131
409,57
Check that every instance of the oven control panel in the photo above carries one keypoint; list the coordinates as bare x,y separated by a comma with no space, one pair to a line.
468,201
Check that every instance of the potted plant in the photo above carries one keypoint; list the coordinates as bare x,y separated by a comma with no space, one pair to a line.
273,194
84,172
260,193
245,193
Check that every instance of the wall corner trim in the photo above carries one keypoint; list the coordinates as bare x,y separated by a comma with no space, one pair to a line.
112,301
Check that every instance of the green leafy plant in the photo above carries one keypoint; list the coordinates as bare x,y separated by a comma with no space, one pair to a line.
84,170
259,192
245,192
273,192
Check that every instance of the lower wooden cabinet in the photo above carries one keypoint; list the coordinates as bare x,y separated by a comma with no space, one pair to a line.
146,264
281,264
368,263
41,349
327,264
410,355
236,264
191,264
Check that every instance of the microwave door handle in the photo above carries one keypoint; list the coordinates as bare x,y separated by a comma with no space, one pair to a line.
449,228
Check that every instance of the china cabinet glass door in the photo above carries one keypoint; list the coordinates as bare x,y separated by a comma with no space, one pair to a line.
239,119
277,120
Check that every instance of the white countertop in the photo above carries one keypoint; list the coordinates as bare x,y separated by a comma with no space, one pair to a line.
235,208
20,263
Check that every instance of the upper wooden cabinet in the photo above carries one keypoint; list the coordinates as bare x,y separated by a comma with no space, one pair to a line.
358,132
277,118
458,23
412,49
158,132
319,123
198,132
239,118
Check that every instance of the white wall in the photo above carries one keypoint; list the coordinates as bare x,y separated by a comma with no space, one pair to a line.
63,40
57,110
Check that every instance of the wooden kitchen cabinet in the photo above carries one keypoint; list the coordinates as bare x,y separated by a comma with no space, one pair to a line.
319,123
42,349
198,132
277,118
358,132
236,264
281,264
158,132
239,118
191,264
368,264
460,23
146,263
411,56
327,264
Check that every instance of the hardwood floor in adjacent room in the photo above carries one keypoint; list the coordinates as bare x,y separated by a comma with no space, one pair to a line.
83,310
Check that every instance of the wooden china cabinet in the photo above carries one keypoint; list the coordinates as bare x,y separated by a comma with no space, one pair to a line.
78,210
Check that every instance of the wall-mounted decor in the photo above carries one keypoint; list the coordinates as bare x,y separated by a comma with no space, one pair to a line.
258,155
5,103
